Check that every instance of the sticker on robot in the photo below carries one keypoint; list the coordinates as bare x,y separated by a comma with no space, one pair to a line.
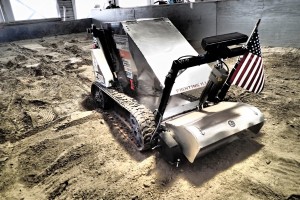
121,42
190,87
128,68
125,54
129,74
127,65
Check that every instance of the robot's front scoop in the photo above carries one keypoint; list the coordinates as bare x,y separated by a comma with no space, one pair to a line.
200,132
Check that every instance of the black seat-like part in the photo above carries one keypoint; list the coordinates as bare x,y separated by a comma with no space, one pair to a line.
219,41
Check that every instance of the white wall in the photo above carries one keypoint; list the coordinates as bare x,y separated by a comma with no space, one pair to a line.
34,9
133,3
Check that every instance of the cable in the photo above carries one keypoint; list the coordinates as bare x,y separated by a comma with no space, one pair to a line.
180,58
225,65
186,56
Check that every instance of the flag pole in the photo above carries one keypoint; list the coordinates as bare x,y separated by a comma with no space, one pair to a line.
256,26
227,83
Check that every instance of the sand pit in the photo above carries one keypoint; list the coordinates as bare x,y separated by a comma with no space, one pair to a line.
55,144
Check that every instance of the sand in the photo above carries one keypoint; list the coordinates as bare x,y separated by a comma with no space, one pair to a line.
55,143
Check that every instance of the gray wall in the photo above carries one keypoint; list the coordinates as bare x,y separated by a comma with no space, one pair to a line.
7,11
194,21
41,28
280,24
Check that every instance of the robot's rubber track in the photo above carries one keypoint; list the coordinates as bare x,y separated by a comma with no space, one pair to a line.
143,115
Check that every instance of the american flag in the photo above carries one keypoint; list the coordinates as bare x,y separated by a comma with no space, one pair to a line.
249,73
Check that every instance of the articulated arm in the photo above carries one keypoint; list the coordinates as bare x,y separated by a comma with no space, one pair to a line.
187,63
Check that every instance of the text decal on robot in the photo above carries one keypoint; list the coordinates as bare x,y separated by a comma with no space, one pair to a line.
190,87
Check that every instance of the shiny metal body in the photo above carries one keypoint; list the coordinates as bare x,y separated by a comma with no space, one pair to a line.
199,132
147,48
161,43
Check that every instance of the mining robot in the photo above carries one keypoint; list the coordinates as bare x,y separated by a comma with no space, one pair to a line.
150,75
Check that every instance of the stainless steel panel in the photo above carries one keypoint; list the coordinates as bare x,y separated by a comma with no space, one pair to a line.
136,65
184,106
160,44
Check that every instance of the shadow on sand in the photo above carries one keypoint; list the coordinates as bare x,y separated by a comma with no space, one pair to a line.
197,173
211,164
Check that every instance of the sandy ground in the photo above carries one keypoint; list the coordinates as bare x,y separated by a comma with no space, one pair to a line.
54,143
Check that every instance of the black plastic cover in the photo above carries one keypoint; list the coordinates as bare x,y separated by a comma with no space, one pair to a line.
221,41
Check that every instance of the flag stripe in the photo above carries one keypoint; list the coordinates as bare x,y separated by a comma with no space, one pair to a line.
243,69
262,85
253,75
257,85
254,83
237,68
247,74
240,68
253,72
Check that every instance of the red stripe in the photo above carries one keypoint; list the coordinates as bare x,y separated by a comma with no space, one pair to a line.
257,81
244,70
238,67
250,71
255,74
260,83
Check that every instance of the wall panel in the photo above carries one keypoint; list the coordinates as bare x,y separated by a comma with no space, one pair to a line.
280,25
194,21
41,28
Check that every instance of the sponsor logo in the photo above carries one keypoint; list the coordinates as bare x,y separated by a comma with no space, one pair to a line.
231,123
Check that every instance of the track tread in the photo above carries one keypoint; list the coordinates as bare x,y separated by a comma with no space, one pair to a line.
141,113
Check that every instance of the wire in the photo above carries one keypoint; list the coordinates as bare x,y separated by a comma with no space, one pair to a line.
225,65
180,58
186,56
